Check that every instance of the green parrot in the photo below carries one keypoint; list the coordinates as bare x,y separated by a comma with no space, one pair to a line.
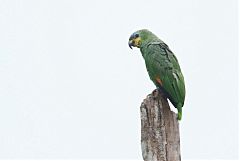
162,66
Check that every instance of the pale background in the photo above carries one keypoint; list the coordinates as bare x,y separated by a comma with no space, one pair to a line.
70,88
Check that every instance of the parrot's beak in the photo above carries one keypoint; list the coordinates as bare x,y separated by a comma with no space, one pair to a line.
130,43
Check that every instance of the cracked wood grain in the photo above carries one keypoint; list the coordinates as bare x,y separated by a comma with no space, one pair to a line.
160,139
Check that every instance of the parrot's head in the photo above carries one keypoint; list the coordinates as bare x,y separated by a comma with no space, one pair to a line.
140,37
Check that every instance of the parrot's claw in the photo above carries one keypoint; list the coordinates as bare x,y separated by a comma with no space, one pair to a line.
155,93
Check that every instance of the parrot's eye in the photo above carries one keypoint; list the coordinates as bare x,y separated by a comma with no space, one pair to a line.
136,35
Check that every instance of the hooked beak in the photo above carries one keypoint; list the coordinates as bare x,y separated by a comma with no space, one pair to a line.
130,43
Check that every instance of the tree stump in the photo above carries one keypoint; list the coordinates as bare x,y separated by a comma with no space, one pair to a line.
160,139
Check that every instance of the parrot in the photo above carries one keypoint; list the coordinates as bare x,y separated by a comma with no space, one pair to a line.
162,66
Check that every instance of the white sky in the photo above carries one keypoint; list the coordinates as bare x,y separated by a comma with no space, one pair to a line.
71,88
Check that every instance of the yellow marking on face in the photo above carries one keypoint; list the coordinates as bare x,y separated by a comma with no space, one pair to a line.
137,42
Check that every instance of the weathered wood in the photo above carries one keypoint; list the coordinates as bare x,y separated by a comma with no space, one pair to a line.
160,138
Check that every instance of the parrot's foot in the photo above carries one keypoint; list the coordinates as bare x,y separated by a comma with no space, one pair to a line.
161,92
155,93
158,92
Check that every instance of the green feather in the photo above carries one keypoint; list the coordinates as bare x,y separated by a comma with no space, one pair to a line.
162,63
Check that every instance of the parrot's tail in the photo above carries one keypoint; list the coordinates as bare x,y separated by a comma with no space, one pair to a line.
179,117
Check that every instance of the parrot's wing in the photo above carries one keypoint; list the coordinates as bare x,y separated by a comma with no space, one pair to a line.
173,83
166,66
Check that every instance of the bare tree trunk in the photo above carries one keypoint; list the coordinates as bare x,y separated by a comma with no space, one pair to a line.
160,138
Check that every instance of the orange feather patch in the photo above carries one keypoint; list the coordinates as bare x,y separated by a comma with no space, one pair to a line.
159,81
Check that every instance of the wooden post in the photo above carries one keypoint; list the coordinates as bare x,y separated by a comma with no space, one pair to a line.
160,138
